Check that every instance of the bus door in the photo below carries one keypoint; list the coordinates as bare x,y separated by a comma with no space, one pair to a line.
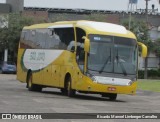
78,75
80,56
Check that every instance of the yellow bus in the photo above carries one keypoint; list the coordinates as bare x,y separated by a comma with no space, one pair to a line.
79,56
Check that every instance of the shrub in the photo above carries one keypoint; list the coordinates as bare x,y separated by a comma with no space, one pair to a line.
152,73
140,74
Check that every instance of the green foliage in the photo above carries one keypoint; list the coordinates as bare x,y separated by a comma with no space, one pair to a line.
10,36
140,29
157,47
140,74
152,73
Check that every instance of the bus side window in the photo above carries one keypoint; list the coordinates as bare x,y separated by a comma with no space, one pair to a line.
71,46
66,36
26,39
32,38
22,40
52,40
40,38
23,36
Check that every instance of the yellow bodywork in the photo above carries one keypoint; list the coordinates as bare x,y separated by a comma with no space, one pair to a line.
62,66
54,74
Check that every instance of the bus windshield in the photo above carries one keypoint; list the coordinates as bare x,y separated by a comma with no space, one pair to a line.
112,54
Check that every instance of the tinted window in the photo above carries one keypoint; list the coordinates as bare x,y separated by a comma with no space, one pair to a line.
52,40
39,42
65,36
58,38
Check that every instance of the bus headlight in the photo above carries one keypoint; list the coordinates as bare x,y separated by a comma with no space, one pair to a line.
93,78
130,83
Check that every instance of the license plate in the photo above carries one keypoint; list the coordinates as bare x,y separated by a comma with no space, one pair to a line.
111,89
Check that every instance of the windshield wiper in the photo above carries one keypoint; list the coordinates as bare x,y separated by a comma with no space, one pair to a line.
93,70
121,64
108,58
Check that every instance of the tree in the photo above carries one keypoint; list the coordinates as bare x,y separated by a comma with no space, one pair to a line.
10,35
157,49
140,29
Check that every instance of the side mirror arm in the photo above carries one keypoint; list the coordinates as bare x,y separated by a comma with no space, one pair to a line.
144,49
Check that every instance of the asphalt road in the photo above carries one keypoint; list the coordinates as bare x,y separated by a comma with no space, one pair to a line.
15,98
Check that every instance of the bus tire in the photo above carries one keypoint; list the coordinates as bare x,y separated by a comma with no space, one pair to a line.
111,96
31,86
70,91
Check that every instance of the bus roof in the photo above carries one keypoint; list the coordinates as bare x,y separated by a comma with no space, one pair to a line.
88,26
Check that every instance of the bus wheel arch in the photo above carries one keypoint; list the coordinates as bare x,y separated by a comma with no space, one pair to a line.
68,85
30,85
29,80
29,72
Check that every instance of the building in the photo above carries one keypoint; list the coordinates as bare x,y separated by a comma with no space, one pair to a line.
16,5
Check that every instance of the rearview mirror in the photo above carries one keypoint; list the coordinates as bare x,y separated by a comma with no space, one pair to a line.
144,49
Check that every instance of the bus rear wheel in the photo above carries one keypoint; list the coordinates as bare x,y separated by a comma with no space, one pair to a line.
112,96
31,86
70,91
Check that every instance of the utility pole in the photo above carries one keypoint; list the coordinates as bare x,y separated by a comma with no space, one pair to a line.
130,17
146,59
147,11
131,7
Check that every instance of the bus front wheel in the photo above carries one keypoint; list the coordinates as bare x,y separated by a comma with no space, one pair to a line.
112,96
31,86
70,91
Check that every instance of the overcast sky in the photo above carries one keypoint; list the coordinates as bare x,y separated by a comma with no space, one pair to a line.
88,4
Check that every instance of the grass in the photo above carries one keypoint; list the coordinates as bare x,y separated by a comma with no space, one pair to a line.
150,85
